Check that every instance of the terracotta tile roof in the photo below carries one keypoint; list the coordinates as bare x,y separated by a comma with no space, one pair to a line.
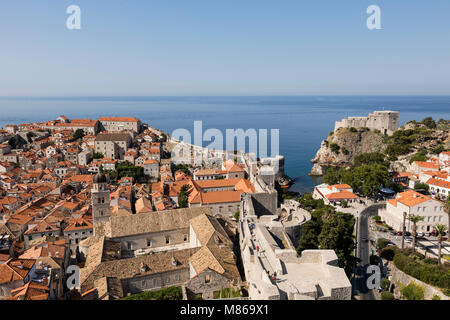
83,178
41,227
439,183
402,174
113,137
19,219
74,123
46,249
156,221
204,172
30,291
79,224
217,183
437,174
227,196
15,269
410,198
424,164
143,205
341,195
132,268
206,226
119,119
217,248
341,186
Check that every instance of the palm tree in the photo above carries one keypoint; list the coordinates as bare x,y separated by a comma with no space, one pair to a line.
440,229
447,211
414,219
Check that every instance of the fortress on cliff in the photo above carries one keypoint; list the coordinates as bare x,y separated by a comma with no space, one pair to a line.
385,121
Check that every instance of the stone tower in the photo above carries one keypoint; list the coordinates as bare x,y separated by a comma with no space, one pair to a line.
100,199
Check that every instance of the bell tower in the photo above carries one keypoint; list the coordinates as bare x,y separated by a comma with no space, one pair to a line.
100,199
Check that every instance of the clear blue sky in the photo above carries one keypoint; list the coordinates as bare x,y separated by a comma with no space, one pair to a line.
224,47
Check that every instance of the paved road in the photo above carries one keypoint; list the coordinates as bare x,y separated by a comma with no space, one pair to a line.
363,251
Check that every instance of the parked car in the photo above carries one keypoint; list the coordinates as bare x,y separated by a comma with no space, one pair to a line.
399,233
407,233
420,234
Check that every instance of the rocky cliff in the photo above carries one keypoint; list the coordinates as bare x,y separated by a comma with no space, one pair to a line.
341,146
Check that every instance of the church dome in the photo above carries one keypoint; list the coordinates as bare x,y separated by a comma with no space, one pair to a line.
100,178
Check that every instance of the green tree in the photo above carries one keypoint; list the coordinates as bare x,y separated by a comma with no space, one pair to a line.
310,232
30,136
369,158
183,196
13,142
419,156
421,186
382,243
429,123
440,229
413,292
184,168
385,284
374,259
367,178
337,234
97,155
170,293
334,147
78,135
387,253
414,219
331,176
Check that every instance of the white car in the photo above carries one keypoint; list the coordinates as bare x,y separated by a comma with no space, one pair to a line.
420,234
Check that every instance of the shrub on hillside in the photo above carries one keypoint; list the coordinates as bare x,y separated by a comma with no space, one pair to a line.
382,243
386,295
413,292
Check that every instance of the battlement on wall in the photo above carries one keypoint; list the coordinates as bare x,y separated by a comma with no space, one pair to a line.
386,121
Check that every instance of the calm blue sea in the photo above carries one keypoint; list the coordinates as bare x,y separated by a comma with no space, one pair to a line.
303,121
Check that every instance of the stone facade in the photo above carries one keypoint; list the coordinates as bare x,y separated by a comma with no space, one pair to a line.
112,145
117,124
413,203
100,199
208,283
266,250
385,121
